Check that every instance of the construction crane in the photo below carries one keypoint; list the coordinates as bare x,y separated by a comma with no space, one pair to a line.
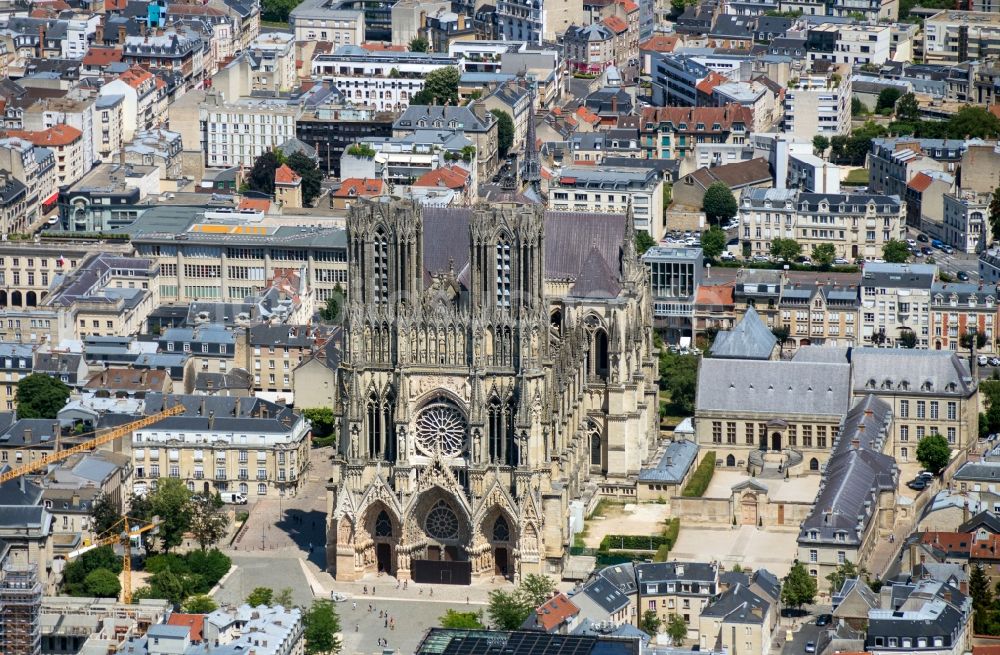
123,532
87,446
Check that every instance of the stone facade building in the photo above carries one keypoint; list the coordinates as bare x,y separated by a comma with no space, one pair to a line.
496,360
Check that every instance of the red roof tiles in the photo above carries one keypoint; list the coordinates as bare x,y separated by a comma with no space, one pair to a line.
99,56
555,611
615,24
716,294
920,182
57,135
451,177
195,622
356,187
285,175
659,43
255,204
691,117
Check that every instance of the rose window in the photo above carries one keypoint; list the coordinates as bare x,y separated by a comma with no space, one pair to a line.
441,522
441,430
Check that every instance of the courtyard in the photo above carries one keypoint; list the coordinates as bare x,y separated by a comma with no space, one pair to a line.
793,490
611,518
746,545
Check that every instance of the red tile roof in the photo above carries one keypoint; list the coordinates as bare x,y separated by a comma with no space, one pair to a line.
659,43
991,649
692,116
555,611
451,177
255,204
196,623
57,135
285,175
356,187
708,84
628,5
615,24
949,542
100,56
135,76
587,116
920,182
716,294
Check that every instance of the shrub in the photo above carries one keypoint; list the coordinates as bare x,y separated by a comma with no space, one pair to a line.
632,542
701,477
674,527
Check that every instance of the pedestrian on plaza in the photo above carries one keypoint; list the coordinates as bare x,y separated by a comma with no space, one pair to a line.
365,590
432,592
386,623
466,600
404,584
356,627
355,605
370,608
397,584
373,590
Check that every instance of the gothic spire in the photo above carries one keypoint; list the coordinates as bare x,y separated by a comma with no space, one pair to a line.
531,174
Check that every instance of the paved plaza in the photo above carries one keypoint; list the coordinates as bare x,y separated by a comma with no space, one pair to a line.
796,490
747,545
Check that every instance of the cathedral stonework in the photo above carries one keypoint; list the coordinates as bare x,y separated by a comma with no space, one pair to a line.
497,364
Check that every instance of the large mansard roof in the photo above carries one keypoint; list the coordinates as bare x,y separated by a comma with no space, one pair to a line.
573,242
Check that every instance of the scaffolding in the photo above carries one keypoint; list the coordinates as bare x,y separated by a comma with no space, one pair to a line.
20,608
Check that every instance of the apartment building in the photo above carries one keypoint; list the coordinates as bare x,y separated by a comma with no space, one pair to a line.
273,352
815,313
617,190
212,347
181,53
273,56
226,256
16,361
74,112
473,122
676,588
145,98
743,619
819,103
675,132
893,162
851,44
927,616
36,169
327,20
237,132
385,80
954,37
858,225
330,128
66,143
895,298
590,49
675,277
221,443
964,221
28,270
957,310
109,126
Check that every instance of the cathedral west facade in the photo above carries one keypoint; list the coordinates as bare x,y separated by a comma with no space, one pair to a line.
497,363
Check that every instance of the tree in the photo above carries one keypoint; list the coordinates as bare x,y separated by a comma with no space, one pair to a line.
895,251
719,204
786,249
781,333
419,44
972,122
312,176
508,609
321,419
537,588
643,242
40,396
505,131
283,598
277,11
982,600
841,573
679,376
650,623
966,340
199,604
462,620
994,217
823,254
907,108
208,524
933,452
104,513
261,177
887,98
907,339
331,310
858,108
102,583
172,503
440,88
799,587
677,629
321,627
820,144
260,596
713,241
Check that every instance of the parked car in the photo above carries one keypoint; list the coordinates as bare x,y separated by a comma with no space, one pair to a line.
925,475
994,361
963,276
983,360
937,243
810,647
823,619
926,250
840,260
917,484
911,242
761,258
922,238
727,256
948,250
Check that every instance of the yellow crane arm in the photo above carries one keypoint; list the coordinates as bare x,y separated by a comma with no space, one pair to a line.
87,446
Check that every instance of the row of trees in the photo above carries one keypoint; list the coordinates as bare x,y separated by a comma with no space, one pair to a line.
261,177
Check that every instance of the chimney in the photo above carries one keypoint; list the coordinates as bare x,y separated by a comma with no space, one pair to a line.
41,41
479,109
56,436
27,435
856,443
121,35
614,104
99,36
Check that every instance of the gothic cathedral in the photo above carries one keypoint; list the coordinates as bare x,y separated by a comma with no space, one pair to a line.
497,364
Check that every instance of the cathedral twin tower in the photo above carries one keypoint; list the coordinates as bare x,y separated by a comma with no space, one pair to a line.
497,365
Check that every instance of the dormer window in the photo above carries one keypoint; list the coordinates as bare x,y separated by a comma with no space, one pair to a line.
927,386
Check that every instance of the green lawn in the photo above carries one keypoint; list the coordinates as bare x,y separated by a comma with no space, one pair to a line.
857,177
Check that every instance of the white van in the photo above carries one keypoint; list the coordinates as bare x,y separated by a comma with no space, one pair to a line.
233,498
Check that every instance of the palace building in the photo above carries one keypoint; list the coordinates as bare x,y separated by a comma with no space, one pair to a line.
497,365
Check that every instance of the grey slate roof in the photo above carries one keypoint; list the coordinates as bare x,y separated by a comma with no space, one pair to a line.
439,117
984,519
773,387
604,594
649,573
911,370
677,459
738,605
597,280
749,339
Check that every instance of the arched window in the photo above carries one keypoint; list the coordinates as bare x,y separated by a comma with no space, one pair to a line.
380,268
383,526
503,272
601,353
501,530
730,460
555,320
596,447
497,430
374,418
244,489
813,464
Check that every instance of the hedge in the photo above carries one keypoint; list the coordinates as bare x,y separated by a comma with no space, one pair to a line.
672,531
632,542
701,477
